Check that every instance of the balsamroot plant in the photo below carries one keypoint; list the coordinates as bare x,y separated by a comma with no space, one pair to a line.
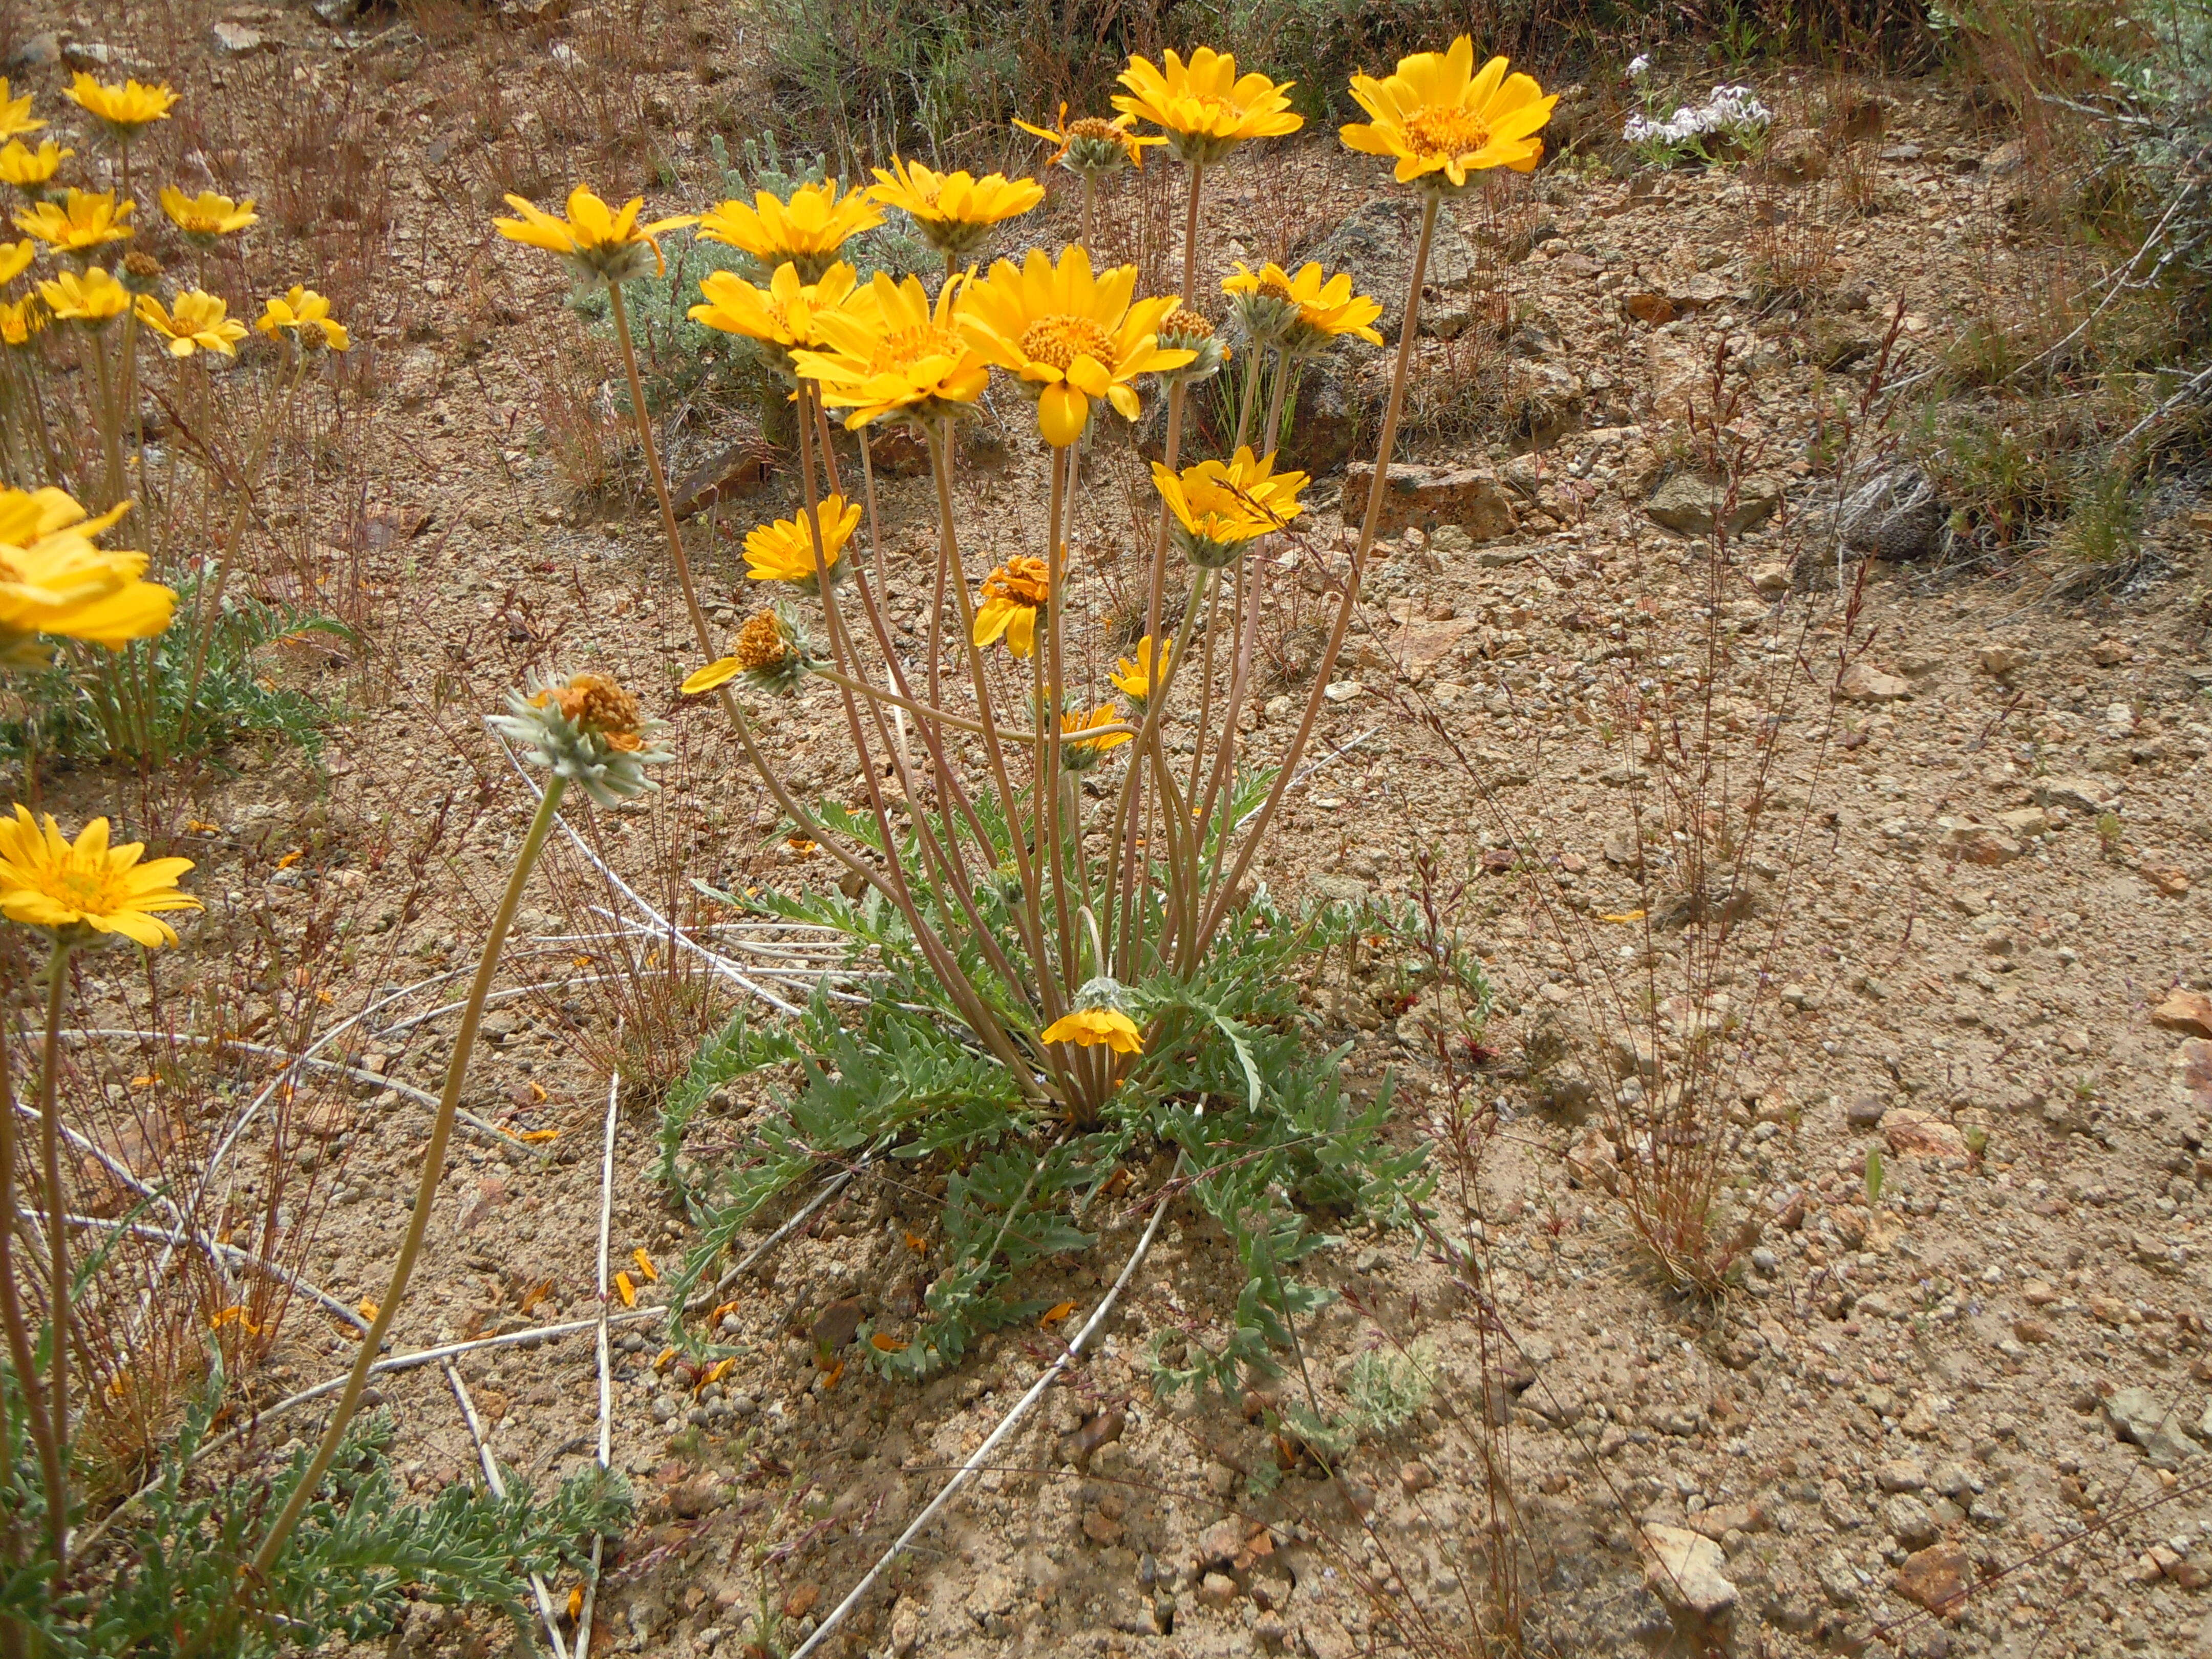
1038,868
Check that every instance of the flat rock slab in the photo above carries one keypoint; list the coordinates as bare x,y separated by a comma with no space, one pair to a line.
2185,1011
1690,506
1419,497
1912,1133
2148,1417
1685,1569
1934,1578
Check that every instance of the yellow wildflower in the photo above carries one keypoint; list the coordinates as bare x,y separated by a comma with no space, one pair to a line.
88,888
306,315
16,112
1135,678
1079,752
1008,603
1070,337
121,110
31,170
955,210
207,217
807,230
600,244
1443,121
20,320
93,299
1087,1028
1205,108
1090,145
785,314
1308,312
784,552
55,579
1219,506
198,323
892,352
82,220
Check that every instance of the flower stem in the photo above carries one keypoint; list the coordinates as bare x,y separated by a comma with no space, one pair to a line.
1288,771
58,1294
426,1190
676,553
18,1338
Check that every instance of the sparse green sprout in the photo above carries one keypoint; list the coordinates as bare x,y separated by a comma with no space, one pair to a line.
1388,1390
1874,1176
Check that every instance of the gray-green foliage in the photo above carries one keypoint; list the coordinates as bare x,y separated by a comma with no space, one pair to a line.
1267,1142
169,1581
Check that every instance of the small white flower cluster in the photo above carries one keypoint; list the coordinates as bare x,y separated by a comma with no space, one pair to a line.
1639,66
1732,112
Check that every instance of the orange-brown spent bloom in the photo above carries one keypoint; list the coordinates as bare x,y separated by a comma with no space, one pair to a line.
761,642
595,700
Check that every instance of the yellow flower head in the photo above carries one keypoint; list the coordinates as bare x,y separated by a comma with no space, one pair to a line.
1090,146
20,320
1088,1028
1308,313
891,351
55,579
1444,121
956,211
82,220
1135,679
306,315
82,890
1079,752
600,244
1071,338
16,112
15,259
200,322
1219,506
1206,109
807,230
93,299
784,552
31,170
121,110
206,217
785,314
1008,603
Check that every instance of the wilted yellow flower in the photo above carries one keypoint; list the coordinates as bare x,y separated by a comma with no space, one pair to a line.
891,352
807,230
121,110
784,552
93,299
1088,1028
306,315
16,112
82,220
1008,603
81,891
588,730
206,217
770,652
1312,312
55,579
1219,506
1080,753
1135,679
1206,109
955,210
15,259
1071,338
600,244
1444,121
31,170
786,314
200,322
1090,145
20,320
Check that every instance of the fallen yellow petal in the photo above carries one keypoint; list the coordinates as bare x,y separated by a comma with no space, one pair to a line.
580,962
829,1377
538,1092
882,1344
917,1243
576,1601
291,858
539,1134
1623,915
661,1360
714,674
628,1290
144,1080
715,1372
1054,1314
715,1317
536,1294
201,827
645,1264
366,1309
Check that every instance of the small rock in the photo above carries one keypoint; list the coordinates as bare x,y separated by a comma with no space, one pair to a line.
1686,1571
1906,1519
1896,515
38,51
1911,1132
1865,1112
2185,1011
1980,843
1216,1590
1472,499
2144,1418
235,37
1101,1529
2169,879
1861,682
1343,690
1688,504
701,1495
2075,794
1901,1474
1415,1477
1771,579
2000,659
1935,1577
2110,653
837,1324
1220,1543
2025,821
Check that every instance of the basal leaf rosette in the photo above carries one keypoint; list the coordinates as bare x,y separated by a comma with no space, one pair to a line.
1444,121
1101,1018
1069,336
588,730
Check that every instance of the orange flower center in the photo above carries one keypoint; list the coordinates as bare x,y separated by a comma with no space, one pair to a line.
1090,126
761,642
595,700
1057,342
1187,325
1449,131
910,346
1025,580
